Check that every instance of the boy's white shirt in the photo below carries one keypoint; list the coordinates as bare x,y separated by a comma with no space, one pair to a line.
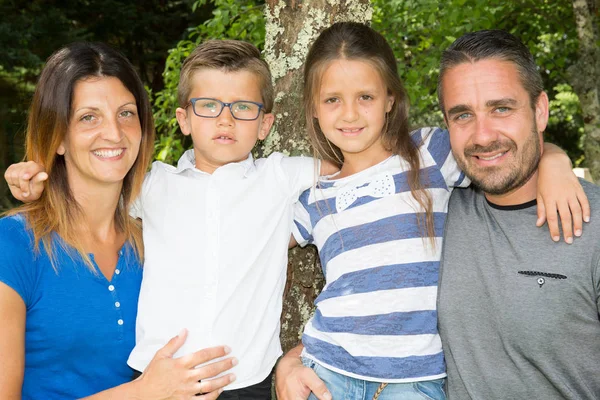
216,258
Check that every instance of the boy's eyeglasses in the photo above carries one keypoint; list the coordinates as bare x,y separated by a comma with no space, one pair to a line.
212,108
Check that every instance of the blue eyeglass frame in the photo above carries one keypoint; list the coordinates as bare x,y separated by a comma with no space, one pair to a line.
193,101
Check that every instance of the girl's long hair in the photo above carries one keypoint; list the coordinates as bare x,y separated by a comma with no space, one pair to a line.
356,41
57,212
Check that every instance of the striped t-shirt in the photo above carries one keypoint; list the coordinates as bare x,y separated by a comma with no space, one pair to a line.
376,317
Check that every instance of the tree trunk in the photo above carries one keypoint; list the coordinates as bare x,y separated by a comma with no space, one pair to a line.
585,79
291,27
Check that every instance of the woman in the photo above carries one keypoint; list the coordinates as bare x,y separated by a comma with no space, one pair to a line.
70,263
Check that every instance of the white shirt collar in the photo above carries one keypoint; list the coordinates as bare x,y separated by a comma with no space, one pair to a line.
188,161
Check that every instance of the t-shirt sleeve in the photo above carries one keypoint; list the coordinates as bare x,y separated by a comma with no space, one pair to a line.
302,226
300,173
436,142
17,262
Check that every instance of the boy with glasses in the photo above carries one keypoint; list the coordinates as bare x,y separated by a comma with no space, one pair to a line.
217,226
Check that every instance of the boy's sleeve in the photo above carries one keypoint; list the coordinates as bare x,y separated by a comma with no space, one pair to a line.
436,142
136,209
17,265
300,173
302,226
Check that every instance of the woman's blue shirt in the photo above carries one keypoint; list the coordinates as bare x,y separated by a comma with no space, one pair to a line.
80,327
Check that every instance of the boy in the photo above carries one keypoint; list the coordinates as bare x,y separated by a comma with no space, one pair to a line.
217,227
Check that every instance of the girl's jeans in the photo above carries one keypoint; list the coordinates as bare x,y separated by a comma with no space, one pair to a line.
343,387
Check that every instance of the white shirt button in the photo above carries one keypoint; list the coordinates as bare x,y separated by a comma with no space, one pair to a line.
111,288
120,322
117,271
117,304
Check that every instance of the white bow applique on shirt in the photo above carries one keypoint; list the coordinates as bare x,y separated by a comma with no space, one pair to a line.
381,187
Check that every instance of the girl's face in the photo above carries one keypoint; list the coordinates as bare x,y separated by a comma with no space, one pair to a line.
104,134
351,107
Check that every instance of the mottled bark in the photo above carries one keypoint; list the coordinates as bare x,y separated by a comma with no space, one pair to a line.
585,79
291,26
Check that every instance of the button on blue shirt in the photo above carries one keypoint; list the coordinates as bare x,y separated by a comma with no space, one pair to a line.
80,327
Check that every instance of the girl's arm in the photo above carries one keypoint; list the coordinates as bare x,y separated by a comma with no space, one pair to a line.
176,378
559,193
294,381
12,343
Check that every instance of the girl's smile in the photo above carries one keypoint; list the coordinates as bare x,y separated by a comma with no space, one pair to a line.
351,110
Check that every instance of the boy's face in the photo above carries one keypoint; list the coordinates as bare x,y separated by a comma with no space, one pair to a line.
224,139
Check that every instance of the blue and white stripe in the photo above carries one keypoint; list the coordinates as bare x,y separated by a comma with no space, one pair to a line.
376,317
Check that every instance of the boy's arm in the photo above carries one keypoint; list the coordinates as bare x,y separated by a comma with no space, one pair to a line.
26,180
294,381
559,193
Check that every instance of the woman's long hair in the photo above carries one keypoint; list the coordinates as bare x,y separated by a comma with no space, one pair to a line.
57,212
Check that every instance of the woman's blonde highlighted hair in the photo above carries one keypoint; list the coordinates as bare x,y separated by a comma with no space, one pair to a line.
57,212
356,41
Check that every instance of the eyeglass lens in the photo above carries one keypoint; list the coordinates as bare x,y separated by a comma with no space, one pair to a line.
213,107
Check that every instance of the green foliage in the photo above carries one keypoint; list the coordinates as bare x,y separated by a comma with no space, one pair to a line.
231,19
427,27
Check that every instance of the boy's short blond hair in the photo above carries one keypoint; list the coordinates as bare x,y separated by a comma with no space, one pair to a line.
228,56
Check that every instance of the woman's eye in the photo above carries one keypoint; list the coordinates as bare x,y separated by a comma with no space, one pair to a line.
127,113
331,100
366,97
87,118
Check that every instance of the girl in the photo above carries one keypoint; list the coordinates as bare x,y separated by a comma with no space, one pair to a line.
378,226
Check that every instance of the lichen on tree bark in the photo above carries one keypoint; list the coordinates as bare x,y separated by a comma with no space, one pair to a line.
585,79
291,27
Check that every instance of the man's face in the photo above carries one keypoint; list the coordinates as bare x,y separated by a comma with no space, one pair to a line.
496,136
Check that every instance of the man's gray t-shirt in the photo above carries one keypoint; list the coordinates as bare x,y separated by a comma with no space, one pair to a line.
518,313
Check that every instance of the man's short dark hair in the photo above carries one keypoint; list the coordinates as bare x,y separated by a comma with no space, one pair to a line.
492,44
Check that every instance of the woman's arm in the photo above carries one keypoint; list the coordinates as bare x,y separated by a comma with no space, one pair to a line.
176,378
12,343
165,377
559,193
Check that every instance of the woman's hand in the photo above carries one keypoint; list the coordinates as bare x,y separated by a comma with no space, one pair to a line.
177,378
26,180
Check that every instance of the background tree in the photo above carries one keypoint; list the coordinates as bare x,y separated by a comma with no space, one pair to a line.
291,26
585,77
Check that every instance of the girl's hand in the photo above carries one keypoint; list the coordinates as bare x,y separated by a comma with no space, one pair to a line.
177,378
294,381
26,180
559,193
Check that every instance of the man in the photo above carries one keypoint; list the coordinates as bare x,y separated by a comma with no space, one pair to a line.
518,313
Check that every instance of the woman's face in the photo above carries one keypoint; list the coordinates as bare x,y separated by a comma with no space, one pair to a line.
104,134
